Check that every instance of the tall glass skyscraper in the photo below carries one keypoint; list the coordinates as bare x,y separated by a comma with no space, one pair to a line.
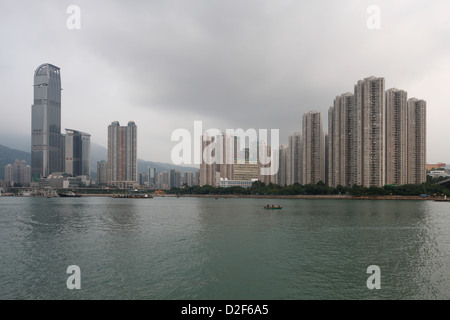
78,153
152,176
47,143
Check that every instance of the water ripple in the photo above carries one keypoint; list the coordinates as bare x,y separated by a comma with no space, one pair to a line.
190,248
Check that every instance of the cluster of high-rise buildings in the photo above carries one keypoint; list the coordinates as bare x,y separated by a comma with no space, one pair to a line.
53,152
18,173
238,164
375,137
152,179
61,157
172,179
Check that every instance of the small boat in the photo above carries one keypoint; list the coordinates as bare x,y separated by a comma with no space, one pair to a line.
69,194
273,207
133,196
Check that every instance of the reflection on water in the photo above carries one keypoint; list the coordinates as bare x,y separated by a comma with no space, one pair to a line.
191,248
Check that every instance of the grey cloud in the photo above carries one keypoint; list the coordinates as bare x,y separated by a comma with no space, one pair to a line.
255,63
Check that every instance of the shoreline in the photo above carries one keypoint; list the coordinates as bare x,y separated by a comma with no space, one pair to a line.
297,197
317,197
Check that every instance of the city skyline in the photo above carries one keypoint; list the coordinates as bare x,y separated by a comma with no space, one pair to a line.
383,114
225,74
375,137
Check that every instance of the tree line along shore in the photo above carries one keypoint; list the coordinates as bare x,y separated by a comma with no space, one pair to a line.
259,189
320,190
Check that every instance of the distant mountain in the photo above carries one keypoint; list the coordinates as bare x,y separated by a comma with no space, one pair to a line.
98,153
161,167
15,141
9,155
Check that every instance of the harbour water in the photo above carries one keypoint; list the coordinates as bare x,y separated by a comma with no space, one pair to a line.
202,248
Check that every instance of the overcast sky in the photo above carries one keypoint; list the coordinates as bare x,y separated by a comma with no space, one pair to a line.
230,63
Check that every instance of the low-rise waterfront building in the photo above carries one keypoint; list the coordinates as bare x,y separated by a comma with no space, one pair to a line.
225,183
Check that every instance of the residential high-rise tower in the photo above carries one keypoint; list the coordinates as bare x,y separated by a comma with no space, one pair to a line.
416,141
294,162
369,95
396,137
122,154
313,140
342,130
